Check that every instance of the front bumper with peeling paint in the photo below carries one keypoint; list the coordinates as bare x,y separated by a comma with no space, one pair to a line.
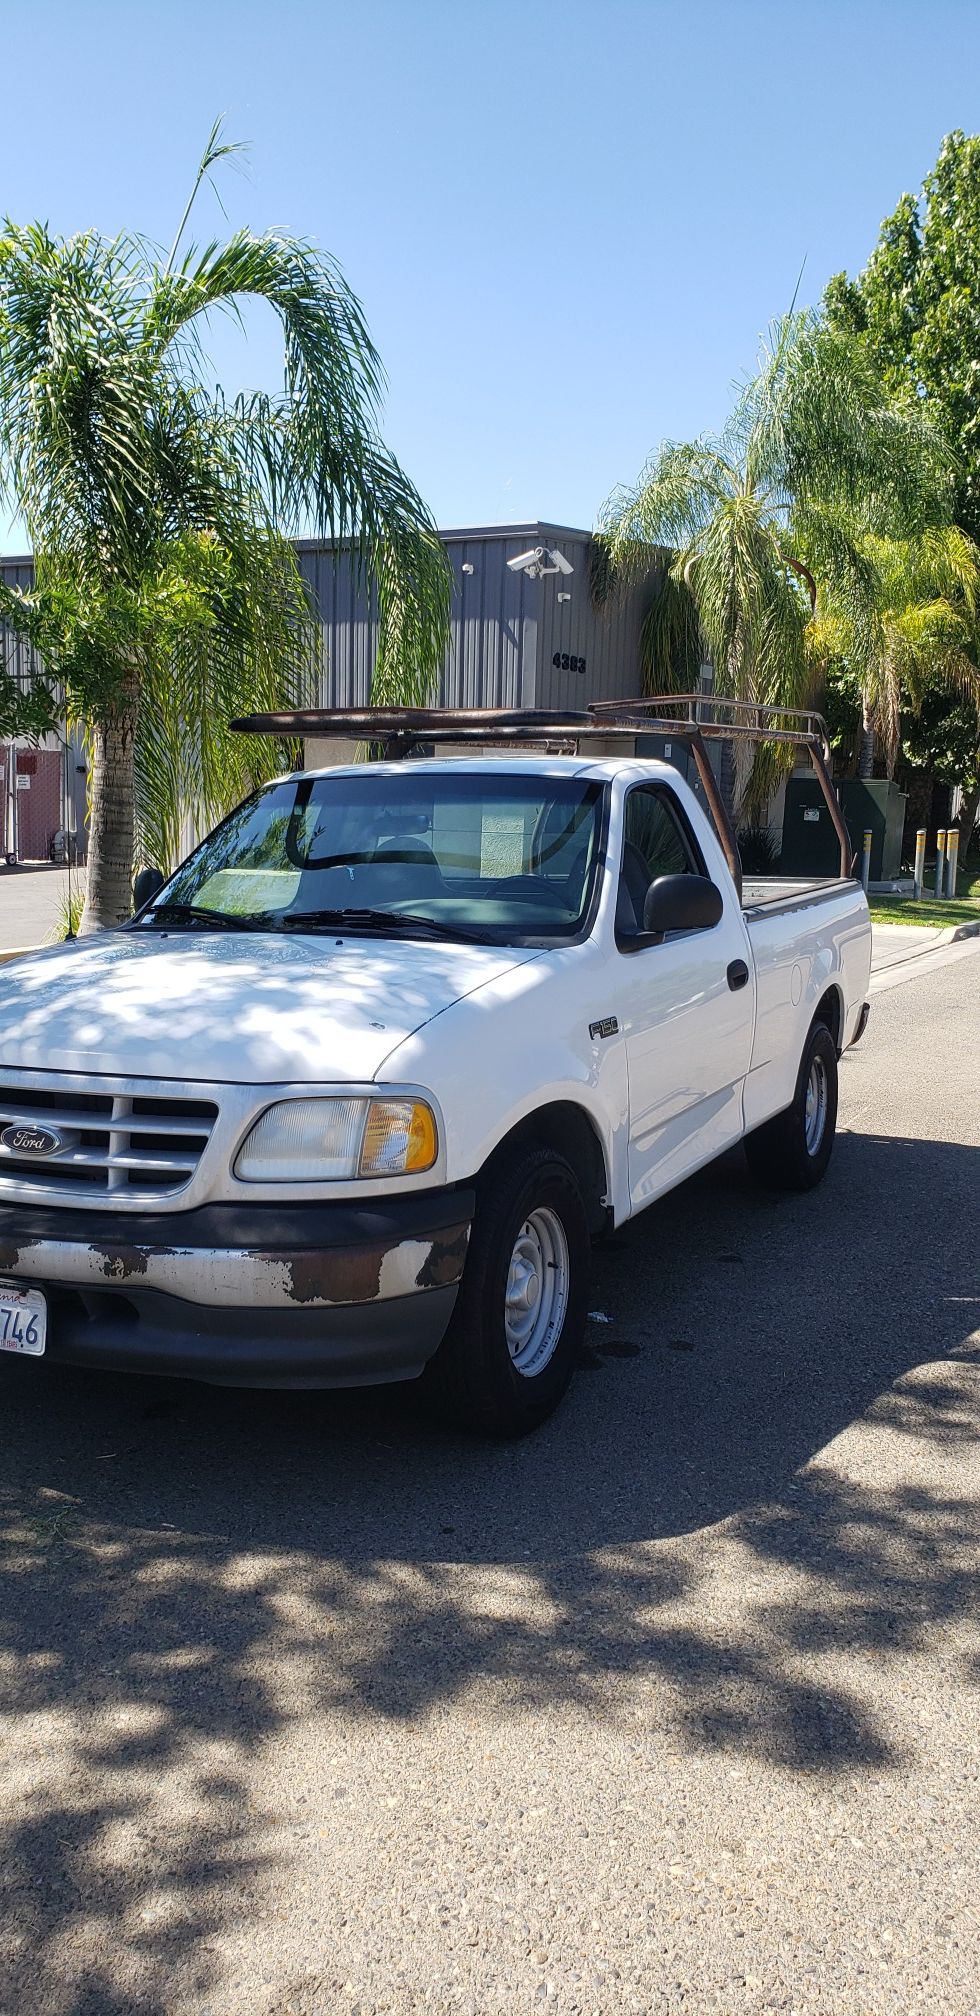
266,1295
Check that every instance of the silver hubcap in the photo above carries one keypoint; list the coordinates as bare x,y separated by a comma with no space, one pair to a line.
537,1292
815,1117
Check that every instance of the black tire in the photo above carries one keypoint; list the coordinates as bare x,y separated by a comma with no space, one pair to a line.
473,1379
778,1153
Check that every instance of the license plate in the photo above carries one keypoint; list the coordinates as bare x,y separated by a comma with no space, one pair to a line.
23,1319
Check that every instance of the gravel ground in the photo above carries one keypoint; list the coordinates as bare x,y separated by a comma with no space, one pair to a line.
674,1707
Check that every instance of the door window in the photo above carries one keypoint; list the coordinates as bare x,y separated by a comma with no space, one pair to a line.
655,842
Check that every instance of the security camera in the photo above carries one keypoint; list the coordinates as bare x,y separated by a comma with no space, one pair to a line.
528,563
540,560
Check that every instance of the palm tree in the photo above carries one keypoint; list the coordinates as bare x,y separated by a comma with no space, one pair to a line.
755,519
160,513
923,631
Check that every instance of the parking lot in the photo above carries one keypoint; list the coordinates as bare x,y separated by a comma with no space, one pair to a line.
672,1707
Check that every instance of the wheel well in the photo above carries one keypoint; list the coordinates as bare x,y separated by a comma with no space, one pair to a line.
830,1013
568,1129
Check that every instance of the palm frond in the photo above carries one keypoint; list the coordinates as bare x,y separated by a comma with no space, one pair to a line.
330,361
788,519
671,505
671,649
75,390
255,648
825,431
314,452
216,149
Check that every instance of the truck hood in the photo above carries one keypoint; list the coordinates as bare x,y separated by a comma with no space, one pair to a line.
244,1009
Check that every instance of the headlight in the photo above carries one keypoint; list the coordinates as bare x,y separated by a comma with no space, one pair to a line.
337,1140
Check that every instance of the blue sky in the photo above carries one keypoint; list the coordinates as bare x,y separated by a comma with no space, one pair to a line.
568,221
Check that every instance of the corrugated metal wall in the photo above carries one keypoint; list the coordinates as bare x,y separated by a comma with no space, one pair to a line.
571,628
507,629
492,654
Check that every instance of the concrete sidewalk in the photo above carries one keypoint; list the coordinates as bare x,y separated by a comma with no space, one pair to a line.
897,945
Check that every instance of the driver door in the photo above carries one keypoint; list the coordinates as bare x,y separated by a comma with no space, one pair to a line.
686,1008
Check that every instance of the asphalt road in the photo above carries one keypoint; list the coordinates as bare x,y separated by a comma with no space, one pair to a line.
34,903
675,1707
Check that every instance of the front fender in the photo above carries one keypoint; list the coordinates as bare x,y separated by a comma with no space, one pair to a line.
519,1044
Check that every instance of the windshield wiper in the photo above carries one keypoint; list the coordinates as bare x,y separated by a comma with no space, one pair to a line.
382,920
224,920
179,915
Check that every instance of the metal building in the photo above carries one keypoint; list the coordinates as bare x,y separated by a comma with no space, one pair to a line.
531,636
519,638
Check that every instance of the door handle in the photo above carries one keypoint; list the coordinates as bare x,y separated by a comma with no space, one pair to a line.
738,974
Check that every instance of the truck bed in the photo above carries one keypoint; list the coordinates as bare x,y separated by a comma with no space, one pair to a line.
770,892
807,934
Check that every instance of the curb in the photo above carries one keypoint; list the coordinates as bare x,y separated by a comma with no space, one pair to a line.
20,952
950,934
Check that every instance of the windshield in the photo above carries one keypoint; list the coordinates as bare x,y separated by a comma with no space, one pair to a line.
501,857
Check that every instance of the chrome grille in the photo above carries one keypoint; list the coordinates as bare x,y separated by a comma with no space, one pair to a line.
111,1142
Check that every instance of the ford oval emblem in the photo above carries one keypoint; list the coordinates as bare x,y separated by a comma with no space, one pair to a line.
29,1140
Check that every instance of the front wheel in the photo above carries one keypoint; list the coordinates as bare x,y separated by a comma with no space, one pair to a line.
519,1321
791,1152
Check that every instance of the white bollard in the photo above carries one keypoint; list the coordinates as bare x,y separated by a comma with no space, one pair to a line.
919,871
952,859
940,859
866,860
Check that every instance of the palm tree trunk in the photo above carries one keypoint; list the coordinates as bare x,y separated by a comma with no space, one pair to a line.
109,880
857,744
866,760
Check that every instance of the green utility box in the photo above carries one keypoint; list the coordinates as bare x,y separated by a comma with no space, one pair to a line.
810,843
875,803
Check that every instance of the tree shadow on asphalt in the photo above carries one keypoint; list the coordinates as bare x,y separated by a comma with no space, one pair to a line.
184,1567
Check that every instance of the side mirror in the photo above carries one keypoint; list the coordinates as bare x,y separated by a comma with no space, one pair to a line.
145,887
681,903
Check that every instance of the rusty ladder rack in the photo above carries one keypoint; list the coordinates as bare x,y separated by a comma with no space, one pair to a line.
398,730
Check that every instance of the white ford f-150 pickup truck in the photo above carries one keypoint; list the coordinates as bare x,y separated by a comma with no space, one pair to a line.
349,1098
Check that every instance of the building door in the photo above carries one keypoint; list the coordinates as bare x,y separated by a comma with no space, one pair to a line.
38,804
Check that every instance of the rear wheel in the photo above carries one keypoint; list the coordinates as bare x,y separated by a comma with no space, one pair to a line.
791,1151
518,1325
